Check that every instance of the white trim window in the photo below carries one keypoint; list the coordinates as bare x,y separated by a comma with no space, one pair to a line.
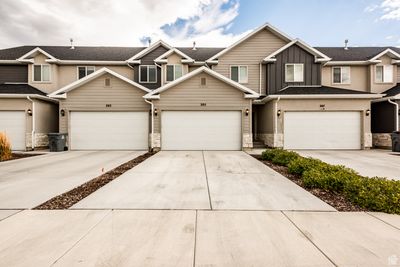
147,74
294,72
41,73
239,74
84,71
341,75
384,73
174,71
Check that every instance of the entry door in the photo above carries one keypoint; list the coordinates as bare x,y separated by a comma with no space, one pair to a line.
109,130
201,130
13,124
322,130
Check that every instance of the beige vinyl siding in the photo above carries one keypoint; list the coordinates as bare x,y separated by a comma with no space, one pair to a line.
94,96
398,74
47,87
250,53
217,95
381,87
358,76
69,74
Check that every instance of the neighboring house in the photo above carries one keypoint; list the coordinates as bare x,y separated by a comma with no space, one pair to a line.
27,115
267,86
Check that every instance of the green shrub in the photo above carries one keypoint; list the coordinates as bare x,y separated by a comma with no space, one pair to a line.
375,194
332,178
279,156
300,165
5,147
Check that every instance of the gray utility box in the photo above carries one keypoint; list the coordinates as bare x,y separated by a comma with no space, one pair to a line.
57,141
396,141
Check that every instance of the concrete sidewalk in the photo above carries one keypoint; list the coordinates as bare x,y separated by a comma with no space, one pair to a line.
26,183
217,180
198,238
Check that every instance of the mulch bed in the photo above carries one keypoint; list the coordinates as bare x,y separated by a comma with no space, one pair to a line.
21,156
337,201
68,199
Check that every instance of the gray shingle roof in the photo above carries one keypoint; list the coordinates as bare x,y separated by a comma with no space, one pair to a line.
201,53
353,53
393,91
320,90
100,53
20,88
79,53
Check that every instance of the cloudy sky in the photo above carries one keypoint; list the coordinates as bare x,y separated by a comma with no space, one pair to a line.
208,22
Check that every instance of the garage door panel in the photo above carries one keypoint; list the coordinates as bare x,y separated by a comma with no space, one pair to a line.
322,130
201,130
13,123
109,130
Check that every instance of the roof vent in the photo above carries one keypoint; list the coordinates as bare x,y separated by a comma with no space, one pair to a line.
194,45
72,43
346,42
149,41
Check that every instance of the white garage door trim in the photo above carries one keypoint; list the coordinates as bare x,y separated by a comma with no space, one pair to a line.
13,123
201,130
109,130
322,130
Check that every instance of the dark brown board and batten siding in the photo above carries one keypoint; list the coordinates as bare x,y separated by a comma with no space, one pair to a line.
148,59
293,54
13,73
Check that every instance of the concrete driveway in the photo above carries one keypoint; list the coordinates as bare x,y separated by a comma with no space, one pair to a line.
198,238
374,162
26,183
202,180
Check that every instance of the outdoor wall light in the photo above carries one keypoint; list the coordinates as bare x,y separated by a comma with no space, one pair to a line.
62,112
247,112
155,112
29,111
367,112
279,112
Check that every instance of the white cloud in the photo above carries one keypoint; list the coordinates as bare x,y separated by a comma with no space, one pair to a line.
390,9
371,8
122,23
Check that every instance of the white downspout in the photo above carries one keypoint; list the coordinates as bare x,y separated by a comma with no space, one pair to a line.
276,119
152,123
397,113
33,123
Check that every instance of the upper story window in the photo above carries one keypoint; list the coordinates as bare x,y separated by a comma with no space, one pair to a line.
239,74
294,73
84,71
147,74
41,73
174,71
341,75
384,73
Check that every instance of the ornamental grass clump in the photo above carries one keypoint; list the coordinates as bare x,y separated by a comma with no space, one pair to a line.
5,147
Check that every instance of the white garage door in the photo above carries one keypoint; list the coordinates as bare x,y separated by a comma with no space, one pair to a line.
13,124
322,130
201,130
109,130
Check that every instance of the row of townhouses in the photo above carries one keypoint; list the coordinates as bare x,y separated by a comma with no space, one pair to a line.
267,87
